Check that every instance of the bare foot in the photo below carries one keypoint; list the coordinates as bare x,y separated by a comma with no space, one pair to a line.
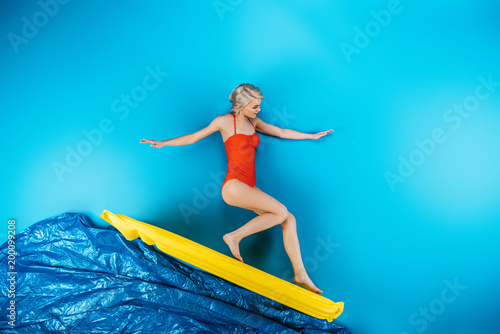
306,282
233,245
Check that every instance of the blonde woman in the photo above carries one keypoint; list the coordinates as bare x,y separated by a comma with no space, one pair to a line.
239,134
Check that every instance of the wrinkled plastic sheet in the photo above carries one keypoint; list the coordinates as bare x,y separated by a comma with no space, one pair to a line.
73,277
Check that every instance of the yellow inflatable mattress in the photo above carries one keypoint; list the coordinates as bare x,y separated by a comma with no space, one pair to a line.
227,268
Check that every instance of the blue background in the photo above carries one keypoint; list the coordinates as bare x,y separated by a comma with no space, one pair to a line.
388,250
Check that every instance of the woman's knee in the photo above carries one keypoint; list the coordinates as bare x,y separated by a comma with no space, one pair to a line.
290,222
282,213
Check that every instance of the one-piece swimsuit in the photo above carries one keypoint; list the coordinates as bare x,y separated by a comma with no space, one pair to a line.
240,150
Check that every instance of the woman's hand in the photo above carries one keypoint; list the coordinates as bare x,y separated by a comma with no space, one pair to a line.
154,143
320,134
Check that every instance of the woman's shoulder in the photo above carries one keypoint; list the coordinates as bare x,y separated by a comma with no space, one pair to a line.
224,118
228,115
223,121
256,121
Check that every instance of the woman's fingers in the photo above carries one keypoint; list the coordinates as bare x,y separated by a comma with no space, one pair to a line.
154,143
322,133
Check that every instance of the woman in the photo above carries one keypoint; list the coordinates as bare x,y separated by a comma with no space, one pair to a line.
238,189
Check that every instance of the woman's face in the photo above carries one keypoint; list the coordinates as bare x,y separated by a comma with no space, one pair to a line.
251,109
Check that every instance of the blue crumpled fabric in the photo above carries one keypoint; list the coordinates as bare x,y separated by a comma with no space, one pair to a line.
73,277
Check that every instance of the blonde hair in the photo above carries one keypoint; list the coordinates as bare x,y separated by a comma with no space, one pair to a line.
242,95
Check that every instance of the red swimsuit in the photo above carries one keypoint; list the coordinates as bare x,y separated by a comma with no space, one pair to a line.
240,150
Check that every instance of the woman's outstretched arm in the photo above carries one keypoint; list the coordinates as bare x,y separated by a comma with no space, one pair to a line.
187,139
273,130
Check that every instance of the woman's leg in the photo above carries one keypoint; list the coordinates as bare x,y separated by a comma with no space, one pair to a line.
237,193
292,247
270,213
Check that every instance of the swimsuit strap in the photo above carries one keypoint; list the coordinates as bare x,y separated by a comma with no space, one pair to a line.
251,123
234,116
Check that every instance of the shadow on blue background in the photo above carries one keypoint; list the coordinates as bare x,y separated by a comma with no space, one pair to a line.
403,196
